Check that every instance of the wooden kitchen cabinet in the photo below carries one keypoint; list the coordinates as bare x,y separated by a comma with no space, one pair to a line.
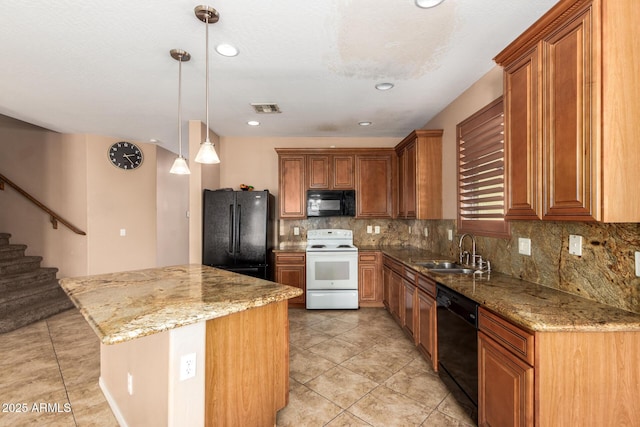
290,269
426,318
331,171
571,106
505,373
292,186
420,175
370,287
409,296
368,171
375,183
392,273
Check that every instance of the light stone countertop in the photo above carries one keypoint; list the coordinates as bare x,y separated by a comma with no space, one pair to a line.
534,307
127,305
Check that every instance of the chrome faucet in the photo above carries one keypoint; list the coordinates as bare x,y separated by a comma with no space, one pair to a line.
473,249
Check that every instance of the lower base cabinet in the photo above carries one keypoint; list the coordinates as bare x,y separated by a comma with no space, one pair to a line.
505,386
370,288
290,269
426,327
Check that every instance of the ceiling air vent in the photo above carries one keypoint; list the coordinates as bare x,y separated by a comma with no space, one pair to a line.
266,108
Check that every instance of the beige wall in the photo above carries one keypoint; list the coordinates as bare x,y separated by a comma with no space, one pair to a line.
120,199
481,93
253,161
172,207
51,167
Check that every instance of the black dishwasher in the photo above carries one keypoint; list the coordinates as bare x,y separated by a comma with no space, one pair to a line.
458,344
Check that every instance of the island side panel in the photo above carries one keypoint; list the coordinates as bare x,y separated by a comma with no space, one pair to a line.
247,366
588,379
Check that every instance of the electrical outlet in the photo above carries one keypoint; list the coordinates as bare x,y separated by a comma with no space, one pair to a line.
129,384
637,264
524,246
281,228
123,232
426,232
296,231
450,235
409,229
187,366
575,245
376,229
369,229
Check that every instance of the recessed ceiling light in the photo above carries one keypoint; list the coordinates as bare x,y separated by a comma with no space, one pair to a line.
364,123
153,141
384,86
426,4
253,123
227,50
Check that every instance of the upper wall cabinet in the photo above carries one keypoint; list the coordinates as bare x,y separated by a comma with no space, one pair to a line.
370,171
331,171
420,175
571,114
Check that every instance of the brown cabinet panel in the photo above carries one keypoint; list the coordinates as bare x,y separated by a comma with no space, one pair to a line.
292,187
343,176
374,185
426,330
370,287
318,171
522,147
420,175
568,142
408,306
290,269
505,386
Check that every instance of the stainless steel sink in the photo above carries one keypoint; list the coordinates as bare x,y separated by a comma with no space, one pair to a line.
455,270
445,266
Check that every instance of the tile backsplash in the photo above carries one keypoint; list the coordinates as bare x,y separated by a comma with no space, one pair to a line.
605,272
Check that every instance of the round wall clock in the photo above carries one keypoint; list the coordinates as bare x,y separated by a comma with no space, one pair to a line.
125,155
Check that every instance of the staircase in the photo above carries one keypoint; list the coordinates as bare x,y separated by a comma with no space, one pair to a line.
28,292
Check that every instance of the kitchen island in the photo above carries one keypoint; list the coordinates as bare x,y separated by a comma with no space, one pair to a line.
189,345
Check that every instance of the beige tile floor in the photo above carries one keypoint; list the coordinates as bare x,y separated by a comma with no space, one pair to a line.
348,368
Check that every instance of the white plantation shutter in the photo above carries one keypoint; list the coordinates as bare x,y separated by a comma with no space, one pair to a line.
481,202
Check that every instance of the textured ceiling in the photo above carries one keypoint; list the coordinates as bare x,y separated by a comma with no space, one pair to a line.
103,67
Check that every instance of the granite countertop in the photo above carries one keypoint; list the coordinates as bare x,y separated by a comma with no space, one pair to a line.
534,307
127,305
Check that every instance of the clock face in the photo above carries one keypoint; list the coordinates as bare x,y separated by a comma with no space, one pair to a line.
125,155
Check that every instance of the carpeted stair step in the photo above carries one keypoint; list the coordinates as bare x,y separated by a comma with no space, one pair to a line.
20,265
9,252
24,316
30,295
4,238
14,281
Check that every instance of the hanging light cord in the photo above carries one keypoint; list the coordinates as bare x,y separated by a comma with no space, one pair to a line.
208,14
180,105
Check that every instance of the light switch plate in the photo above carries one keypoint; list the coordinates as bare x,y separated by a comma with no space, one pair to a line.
637,264
376,229
296,231
369,229
575,245
450,234
426,232
524,246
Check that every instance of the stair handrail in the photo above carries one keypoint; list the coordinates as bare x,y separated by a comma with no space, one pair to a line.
54,217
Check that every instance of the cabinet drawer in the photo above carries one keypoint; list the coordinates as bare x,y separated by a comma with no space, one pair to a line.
410,275
290,258
427,285
368,257
516,340
392,264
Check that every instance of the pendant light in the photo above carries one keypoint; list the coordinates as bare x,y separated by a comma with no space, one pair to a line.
180,166
207,152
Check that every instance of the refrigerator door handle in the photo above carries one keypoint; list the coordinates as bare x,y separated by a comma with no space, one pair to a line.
231,235
237,239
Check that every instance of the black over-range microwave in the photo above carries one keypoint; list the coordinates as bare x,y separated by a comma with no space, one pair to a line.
331,203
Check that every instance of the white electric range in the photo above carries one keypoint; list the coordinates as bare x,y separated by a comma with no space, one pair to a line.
332,269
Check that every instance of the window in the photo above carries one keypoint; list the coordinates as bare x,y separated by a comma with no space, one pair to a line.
481,173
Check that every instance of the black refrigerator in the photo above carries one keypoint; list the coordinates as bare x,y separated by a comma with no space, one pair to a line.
238,231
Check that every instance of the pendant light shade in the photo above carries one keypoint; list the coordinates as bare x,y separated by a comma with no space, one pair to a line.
207,152
180,166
